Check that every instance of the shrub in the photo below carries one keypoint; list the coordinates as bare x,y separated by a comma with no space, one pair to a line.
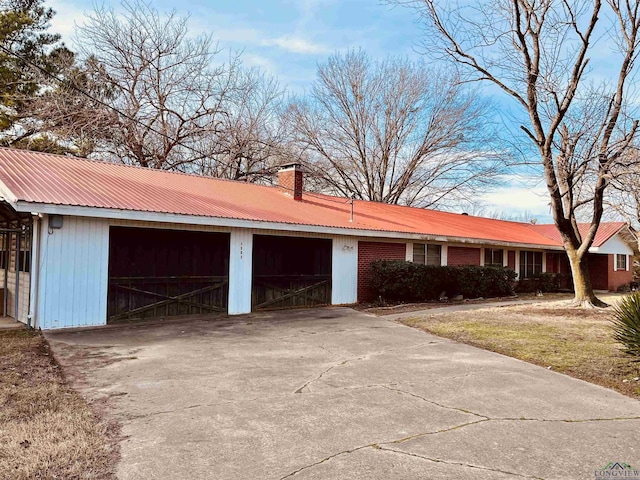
541,282
627,287
626,324
405,281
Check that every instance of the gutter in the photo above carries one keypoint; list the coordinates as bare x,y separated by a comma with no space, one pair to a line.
160,217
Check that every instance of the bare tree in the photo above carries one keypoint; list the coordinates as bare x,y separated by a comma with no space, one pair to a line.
538,54
182,104
251,139
392,131
164,82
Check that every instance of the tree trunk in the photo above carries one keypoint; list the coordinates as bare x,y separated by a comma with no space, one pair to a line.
584,295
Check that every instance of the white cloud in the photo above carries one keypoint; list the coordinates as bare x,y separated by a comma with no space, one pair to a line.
241,35
517,195
65,19
295,44
253,60
251,36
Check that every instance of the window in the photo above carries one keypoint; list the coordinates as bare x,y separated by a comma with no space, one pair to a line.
621,261
530,263
493,257
426,254
4,255
24,259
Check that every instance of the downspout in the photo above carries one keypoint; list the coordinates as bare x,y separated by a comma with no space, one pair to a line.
35,271
7,261
16,297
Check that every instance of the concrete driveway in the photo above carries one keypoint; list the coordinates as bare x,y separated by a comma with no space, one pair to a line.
336,394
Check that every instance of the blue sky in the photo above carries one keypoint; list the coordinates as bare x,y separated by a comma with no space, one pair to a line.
284,37
287,39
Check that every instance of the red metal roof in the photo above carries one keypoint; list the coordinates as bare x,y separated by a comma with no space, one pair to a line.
606,230
61,180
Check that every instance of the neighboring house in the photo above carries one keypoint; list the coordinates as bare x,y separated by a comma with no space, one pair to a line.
89,243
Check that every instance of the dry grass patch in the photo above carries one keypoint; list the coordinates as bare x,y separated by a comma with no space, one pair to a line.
47,430
375,309
572,341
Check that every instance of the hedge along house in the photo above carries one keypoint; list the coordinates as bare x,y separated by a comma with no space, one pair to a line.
90,243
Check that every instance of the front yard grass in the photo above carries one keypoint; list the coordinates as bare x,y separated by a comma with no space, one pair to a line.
572,341
47,430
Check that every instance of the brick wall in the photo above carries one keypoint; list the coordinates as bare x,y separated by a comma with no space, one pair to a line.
463,256
367,253
291,181
511,259
619,277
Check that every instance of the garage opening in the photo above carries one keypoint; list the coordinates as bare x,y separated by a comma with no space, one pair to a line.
16,237
290,272
157,273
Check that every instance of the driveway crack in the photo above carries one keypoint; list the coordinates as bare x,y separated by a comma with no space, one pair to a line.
461,464
562,420
188,407
436,432
324,372
404,392
326,459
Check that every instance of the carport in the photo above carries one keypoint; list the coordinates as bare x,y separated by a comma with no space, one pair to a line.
16,237
166,273
290,272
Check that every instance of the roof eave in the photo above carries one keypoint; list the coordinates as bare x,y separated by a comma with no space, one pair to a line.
160,217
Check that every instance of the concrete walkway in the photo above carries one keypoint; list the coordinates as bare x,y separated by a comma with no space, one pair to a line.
337,394
8,323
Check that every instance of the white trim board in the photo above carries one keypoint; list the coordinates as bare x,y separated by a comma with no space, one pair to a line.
117,214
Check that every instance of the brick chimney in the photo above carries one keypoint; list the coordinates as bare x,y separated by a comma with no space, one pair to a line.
290,179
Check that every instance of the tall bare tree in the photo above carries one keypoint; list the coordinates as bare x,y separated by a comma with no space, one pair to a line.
184,105
392,131
252,136
164,81
538,53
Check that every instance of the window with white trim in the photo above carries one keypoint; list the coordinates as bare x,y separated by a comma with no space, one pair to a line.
530,263
493,257
427,254
621,261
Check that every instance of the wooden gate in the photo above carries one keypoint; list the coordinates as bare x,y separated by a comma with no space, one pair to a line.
290,272
290,291
133,298
166,273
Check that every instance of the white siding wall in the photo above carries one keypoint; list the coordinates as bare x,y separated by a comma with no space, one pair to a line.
72,290
614,245
74,262
344,270
240,271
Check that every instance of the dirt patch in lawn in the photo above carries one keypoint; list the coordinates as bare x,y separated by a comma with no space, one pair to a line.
576,342
47,430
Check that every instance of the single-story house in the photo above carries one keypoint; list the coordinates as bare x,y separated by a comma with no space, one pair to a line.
89,243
